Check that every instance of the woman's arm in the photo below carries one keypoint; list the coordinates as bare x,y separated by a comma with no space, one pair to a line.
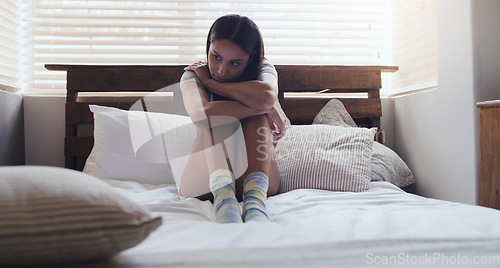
277,122
259,94
199,108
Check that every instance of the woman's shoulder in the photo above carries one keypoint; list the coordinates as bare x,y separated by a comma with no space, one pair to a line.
266,63
188,76
267,67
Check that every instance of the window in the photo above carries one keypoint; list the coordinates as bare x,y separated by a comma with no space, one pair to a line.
9,44
321,32
414,46
333,32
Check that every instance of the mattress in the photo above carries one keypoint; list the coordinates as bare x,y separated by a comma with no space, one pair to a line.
314,228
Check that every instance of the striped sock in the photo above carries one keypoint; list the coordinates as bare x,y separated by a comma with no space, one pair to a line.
254,197
227,208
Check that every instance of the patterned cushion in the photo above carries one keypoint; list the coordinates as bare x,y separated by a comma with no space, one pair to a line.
334,113
388,166
325,157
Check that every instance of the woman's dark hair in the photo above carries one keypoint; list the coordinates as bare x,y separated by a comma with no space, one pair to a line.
243,32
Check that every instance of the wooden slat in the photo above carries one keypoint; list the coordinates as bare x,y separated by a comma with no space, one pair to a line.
78,146
69,162
387,69
79,112
71,129
293,79
488,104
109,79
303,110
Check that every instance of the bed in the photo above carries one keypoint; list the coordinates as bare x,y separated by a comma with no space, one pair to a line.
342,207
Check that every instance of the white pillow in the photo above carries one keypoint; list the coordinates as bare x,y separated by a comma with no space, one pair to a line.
53,216
325,157
139,146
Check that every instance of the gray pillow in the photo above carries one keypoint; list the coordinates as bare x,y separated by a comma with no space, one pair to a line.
388,166
54,216
334,113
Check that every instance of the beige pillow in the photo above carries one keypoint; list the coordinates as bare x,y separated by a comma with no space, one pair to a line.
388,166
334,113
53,216
325,157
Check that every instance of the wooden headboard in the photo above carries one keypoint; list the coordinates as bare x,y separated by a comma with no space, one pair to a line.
304,90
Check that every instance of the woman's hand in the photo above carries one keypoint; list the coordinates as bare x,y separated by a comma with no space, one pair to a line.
201,70
277,123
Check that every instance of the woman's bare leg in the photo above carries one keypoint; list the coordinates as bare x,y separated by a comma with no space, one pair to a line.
212,150
260,156
194,181
274,175
222,181
260,153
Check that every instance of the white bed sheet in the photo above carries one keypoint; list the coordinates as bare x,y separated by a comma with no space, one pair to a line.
315,228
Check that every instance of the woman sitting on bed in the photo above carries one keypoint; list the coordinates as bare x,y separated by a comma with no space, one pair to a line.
231,98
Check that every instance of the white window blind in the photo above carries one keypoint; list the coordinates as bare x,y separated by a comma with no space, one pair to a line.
414,46
333,32
9,44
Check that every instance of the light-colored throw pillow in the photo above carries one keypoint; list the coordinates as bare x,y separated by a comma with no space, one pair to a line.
146,147
388,166
325,157
54,216
334,113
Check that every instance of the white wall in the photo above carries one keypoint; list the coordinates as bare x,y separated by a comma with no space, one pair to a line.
11,129
486,32
437,132
44,130
387,121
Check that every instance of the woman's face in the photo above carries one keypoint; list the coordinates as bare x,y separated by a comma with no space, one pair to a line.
226,61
